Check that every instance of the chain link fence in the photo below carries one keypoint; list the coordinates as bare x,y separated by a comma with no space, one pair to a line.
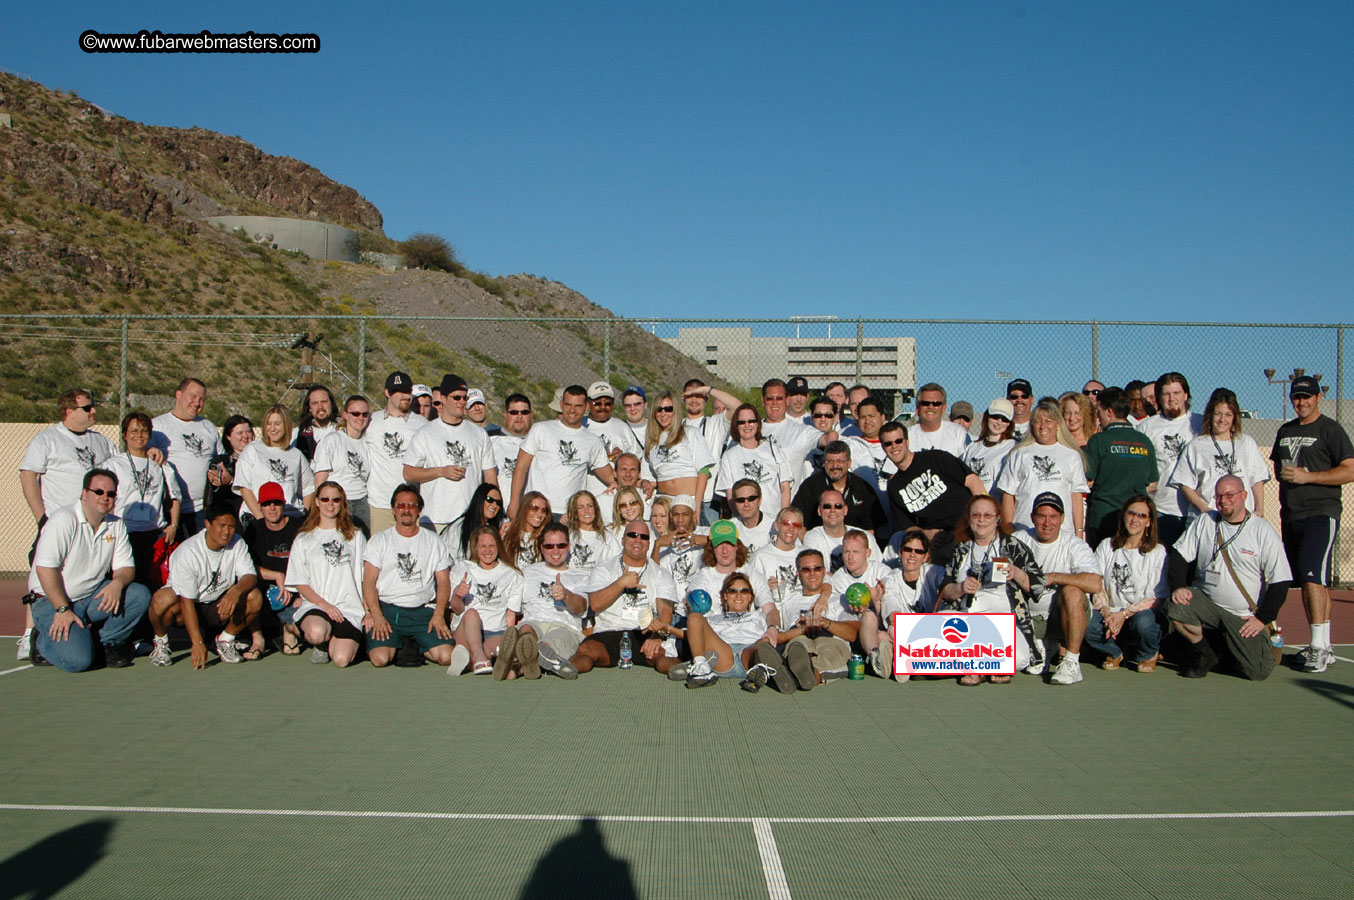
249,363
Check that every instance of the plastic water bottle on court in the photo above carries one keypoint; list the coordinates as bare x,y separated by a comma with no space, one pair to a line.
627,652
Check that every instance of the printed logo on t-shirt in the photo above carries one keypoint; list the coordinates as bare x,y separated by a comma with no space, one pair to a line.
568,454
404,565
1172,445
485,593
664,453
1122,576
457,455
606,441
754,470
393,445
1045,467
683,566
85,457
922,491
1225,463
506,466
141,479
196,446
278,469
1295,445
788,578
213,582
355,467
581,555
335,553
979,467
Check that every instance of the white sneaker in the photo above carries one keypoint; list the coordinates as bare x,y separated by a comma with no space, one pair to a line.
159,654
25,645
1050,653
700,674
1068,671
1317,659
460,658
227,651
877,663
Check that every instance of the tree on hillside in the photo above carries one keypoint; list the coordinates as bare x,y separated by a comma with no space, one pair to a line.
430,251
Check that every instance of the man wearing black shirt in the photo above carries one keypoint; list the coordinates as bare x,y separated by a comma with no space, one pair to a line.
269,540
863,509
929,490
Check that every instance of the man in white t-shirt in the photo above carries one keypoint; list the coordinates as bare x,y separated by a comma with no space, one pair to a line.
517,423
556,457
342,456
933,431
754,526
554,600
1170,431
628,595
635,405
1071,577
1021,395
1240,583
405,584
70,591
477,411
189,442
388,439
616,436
817,630
795,440
212,589
58,458
868,457
827,538
450,457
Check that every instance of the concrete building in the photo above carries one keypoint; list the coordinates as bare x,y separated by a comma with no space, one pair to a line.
887,365
318,240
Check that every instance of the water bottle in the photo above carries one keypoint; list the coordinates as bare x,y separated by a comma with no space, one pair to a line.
1276,639
627,654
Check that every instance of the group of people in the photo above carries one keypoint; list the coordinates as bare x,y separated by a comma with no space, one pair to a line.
694,534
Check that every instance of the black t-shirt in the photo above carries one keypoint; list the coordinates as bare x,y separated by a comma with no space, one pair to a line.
929,493
1317,447
271,549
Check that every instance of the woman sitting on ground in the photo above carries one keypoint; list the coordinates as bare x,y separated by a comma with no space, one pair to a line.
1133,566
587,535
325,568
486,598
724,644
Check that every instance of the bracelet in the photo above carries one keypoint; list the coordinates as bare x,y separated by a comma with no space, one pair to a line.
198,644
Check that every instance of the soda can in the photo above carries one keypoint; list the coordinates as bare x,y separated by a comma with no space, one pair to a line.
855,669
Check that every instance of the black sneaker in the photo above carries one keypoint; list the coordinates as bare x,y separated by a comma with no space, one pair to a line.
35,657
1201,658
409,656
800,666
780,676
116,656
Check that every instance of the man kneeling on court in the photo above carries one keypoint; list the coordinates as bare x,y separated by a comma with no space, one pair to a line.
212,588
626,595
1235,554
405,586
69,585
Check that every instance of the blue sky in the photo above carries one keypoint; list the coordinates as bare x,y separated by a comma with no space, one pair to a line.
986,159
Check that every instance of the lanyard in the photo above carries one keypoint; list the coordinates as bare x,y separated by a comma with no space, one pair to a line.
1228,458
1217,530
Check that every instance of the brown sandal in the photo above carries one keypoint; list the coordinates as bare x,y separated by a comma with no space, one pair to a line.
1149,665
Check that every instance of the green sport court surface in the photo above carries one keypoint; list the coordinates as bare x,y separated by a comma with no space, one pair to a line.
283,779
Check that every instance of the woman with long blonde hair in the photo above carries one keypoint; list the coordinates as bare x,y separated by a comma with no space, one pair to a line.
1048,459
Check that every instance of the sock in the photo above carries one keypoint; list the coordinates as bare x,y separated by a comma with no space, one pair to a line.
1072,656
227,637
162,639
1321,635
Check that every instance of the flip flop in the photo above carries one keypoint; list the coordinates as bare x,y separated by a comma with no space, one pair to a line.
253,653
293,648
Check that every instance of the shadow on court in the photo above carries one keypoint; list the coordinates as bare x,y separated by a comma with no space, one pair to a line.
55,862
580,866
1340,693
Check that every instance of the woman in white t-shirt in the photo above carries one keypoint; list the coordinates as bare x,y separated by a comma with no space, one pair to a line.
1046,460
270,458
1133,566
626,507
486,508
731,635
486,600
143,491
751,456
912,588
986,455
587,536
325,568
678,456
1081,421
1220,449
521,532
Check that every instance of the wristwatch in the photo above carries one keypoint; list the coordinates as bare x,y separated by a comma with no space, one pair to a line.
60,609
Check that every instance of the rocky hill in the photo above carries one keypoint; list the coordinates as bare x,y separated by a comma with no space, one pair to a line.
103,215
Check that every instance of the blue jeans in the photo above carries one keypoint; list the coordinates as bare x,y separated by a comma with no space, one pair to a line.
76,652
1141,632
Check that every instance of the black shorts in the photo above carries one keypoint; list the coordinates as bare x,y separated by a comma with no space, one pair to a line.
344,630
611,641
1309,544
209,619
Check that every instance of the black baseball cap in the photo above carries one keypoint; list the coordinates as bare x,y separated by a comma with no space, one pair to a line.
451,383
1020,384
399,383
797,385
1305,386
1048,498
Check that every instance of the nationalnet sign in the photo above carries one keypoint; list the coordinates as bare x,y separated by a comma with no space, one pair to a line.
954,643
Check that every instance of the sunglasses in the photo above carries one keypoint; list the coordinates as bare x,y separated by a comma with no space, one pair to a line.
748,499
540,509
1093,393
637,535
921,403
331,499
437,404
663,408
822,415
100,492
746,422
496,501
272,503
832,506
519,412
456,398
559,546
913,550
810,568
406,506
1017,395
88,407
1137,515
893,443
738,590
359,415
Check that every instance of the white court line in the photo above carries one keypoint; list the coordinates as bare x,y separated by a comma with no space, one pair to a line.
776,886
20,669
683,820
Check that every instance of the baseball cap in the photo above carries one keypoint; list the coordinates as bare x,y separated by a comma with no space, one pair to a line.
1001,407
398,383
1048,498
797,385
1305,386
638,390
601,389
684,500
271,492
473,396
962,409
555,401
723,532
1019,384
451,383
422,390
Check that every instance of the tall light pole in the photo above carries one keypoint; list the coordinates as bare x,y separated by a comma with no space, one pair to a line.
1283,392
